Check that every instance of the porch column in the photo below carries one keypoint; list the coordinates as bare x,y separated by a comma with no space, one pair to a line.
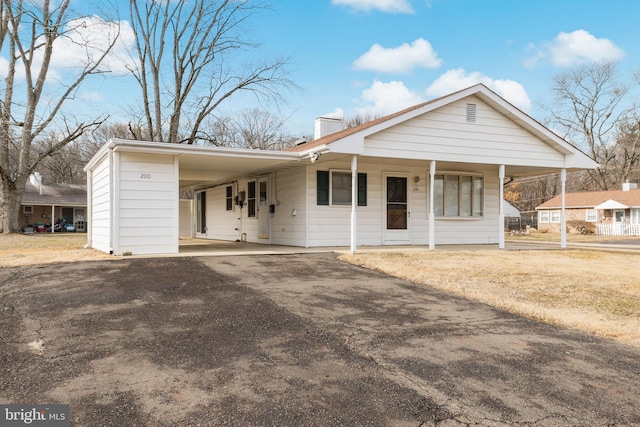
432,216
563,217
354,201
501,215
53,218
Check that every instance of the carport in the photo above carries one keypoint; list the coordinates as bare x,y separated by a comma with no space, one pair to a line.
134,189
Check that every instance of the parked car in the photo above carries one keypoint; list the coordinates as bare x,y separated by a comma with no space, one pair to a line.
68,227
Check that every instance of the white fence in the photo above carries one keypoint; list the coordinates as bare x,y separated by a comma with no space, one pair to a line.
618,229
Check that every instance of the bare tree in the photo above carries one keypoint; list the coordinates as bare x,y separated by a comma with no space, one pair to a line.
627,150
29,32
359,119
189,63
588,110
67,164
252,128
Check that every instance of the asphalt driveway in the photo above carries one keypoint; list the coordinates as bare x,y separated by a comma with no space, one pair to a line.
292,340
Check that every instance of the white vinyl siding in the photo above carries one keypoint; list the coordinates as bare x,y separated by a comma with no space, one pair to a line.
100,227
222,224
288,222
331,226
445,135
148,205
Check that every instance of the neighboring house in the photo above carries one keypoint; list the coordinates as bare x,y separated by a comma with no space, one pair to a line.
428,175
614,212
47,203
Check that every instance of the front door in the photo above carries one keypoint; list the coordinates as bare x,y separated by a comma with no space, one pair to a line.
618,222
264,215
397,211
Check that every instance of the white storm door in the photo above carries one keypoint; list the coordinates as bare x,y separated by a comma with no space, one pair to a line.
618,222
396,210
264,216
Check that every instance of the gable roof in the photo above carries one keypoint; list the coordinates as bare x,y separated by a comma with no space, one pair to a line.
55,194
591,199
481,91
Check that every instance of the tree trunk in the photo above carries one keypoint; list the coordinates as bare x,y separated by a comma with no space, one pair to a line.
10,203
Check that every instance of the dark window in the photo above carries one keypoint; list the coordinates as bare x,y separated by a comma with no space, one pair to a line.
229,198
201,212
322,193
251,199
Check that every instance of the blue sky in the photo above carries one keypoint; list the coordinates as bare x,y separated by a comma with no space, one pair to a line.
378,56
353,56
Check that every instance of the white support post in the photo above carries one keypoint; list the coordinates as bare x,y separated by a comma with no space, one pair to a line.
563,217
432,216
53,218
354,201
501,215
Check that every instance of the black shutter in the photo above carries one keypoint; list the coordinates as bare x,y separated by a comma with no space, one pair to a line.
322,187
362,189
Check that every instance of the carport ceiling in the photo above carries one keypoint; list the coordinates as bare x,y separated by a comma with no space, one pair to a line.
198,171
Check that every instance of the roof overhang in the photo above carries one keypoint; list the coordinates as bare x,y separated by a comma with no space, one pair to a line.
204,166
611,204
574,159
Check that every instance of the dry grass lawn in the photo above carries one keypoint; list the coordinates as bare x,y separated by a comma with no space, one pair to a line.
594,291
18,250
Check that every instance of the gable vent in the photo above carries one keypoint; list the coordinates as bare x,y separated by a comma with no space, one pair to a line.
471,113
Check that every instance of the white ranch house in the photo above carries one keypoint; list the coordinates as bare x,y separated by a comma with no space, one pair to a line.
428,175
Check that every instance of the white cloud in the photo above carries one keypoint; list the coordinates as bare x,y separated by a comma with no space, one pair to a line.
88,38
454,80
578,47
92,96
338,113
390,6
401,59
386,98
84,41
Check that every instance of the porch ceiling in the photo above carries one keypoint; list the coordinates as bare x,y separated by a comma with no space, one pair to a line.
510,170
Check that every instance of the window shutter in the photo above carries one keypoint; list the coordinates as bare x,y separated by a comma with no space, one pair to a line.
362,189
322,187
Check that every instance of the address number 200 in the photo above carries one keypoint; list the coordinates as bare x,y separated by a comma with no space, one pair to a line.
145,176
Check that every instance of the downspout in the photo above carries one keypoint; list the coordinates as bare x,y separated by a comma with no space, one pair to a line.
306,214
501,215
432,215
115,202
176,206
563,217
354,201
88,216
